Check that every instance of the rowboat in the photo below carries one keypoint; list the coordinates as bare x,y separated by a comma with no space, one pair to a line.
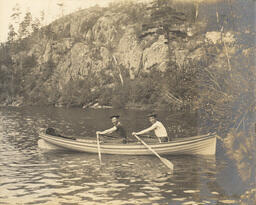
197,145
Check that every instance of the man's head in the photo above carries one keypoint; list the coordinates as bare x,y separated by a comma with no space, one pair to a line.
152,118
115,119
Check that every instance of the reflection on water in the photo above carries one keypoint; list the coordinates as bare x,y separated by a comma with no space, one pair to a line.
30,176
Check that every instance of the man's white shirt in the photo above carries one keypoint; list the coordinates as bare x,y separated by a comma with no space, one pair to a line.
158,128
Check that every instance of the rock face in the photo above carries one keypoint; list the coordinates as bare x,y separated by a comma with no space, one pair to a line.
129,52
156,54
104,46
96,40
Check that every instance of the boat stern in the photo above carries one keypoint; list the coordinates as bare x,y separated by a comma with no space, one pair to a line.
209,147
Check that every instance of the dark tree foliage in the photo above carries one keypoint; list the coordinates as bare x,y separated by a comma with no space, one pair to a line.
163,20
11,34
25,26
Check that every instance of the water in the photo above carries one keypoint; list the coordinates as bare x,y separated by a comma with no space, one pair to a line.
29,175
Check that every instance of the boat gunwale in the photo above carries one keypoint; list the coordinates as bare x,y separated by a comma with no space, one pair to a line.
176,143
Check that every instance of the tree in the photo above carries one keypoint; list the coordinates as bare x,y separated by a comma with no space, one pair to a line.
36,25
163,20
25,26
11,34
15,17
42,17
16,14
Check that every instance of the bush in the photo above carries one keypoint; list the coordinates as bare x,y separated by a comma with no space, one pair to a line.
29,62
105,96
119,98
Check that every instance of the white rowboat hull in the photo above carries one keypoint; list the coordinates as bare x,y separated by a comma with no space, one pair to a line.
198,145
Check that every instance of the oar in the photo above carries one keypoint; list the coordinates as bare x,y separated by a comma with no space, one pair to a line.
98,144
165,161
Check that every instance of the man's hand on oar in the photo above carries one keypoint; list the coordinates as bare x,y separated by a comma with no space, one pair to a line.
99,133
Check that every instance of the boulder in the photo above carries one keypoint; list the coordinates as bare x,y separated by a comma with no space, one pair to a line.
107,30
106,57
156,54
213,37
129,52
80,59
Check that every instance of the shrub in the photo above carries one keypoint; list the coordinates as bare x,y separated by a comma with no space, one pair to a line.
29,62
119,98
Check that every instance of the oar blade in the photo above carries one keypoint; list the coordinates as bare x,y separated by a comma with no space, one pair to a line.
167,163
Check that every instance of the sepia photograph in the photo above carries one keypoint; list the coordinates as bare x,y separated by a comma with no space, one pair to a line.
127,102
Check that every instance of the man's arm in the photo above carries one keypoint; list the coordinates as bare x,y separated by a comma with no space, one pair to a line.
108,131
145,130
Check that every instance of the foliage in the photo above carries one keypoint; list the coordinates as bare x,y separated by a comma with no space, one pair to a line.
36,24
29,61
105,98
48,32
249,197
119,99
5,55
25,25
89,22
163,20
241,147
6,76
11,34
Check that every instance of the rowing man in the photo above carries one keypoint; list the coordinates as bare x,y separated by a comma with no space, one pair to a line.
117,128
157,127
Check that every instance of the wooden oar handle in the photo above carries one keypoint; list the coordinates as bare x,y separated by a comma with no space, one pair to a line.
148,146
98,144
163,160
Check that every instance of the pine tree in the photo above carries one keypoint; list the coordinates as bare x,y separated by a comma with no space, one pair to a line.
11,34
16,14
36,25
42,17
163,20
15,18
25,27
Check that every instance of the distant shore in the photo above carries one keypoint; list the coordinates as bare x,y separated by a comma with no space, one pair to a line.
88,106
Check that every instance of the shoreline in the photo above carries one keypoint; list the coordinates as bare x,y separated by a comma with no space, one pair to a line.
133,106
67,106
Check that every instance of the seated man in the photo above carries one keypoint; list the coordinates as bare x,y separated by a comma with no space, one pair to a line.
117,128
158,128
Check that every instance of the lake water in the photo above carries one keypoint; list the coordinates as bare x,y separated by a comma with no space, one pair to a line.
29,175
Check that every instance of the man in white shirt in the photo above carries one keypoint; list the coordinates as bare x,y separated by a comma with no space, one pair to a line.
157,127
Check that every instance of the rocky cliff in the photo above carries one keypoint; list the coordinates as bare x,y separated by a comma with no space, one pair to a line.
96,54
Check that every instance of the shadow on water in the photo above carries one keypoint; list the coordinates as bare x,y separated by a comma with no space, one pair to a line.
31,176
